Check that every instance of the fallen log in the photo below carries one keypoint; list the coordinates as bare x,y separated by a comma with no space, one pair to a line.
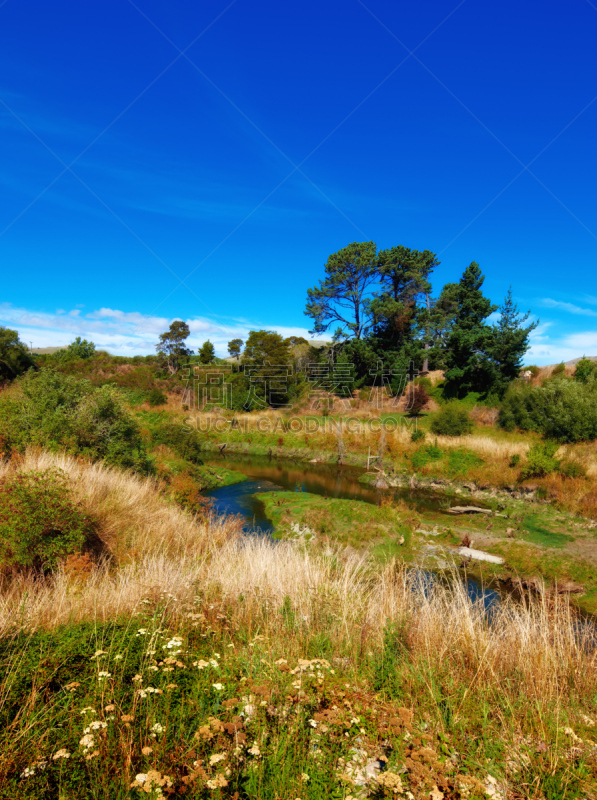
469,510
479,555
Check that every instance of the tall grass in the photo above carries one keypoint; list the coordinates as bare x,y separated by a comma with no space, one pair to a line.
162,551
358,666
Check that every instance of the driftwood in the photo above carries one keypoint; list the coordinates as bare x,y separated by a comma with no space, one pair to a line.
479,555
469,510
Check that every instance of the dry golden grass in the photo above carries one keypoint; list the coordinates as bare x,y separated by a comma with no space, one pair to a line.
134,517
164,553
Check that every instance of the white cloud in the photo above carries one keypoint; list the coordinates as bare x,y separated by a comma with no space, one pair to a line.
125,332
544,350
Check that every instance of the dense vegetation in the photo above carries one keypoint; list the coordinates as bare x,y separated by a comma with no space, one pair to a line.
386,313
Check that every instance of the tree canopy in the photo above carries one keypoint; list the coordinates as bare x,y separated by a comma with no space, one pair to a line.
234,348
15,359
171,348
341,296
207,353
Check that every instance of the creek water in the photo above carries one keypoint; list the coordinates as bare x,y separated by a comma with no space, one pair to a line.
328,480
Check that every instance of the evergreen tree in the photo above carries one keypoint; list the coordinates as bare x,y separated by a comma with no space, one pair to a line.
207,353
266,361
438,320
468,346
509,343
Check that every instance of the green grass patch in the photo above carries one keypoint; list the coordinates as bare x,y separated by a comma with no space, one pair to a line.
537,534
461,461
350,522
425,455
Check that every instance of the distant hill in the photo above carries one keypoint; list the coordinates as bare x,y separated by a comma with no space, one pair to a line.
47,350
571,363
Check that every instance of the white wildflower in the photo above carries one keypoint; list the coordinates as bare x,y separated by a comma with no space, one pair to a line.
87,741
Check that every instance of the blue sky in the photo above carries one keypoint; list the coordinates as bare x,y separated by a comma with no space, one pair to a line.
201,160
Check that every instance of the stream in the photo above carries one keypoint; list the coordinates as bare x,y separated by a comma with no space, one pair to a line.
329,480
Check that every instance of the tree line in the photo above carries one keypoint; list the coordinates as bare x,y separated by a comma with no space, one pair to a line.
383,308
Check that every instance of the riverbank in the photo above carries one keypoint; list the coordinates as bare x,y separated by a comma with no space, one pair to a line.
191,660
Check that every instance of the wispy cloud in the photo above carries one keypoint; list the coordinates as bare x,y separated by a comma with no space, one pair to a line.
571,308
126,332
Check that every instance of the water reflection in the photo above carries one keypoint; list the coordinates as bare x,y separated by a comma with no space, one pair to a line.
266,475
328,480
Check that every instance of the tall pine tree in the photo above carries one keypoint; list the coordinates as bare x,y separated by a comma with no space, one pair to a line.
509,343
470,368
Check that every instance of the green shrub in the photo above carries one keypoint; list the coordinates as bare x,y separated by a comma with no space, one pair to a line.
461,461
514,461
417,435
559,369
155,397
541,460
183,439
562,409
452,420
424,455
585,369
60,412
572,469
39,520
80,348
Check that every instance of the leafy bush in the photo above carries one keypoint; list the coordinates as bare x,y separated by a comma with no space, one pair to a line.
187,493
559,369
417,436
80,348
155,397
585,369
183,439
452,420
14,356
419,400
541,460
39,520
514,461
562,409
61,412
